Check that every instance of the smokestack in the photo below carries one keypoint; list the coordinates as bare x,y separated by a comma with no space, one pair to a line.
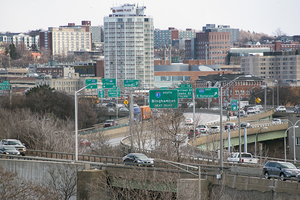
206,54
165,55
170,53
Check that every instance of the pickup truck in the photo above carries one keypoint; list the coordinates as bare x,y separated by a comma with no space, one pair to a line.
245,158
15,143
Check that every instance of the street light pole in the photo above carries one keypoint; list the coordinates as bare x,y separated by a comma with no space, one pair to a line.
76,119
256,135
221,135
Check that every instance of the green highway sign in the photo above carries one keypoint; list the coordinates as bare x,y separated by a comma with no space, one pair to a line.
185,93
131,83
233,104
207,92
185,85
113,92
163,99
101,93
164,88
109,83
92,83
4,85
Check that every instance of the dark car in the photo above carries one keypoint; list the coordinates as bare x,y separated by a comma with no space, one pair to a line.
110,104
191,134
138,159
110,122
14,143
9,150
280,170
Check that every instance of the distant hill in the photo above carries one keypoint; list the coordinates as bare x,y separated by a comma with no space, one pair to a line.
247,36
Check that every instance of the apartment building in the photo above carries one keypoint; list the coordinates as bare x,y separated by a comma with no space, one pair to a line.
59,41
128,45
165,37
20,38
281,66
234,32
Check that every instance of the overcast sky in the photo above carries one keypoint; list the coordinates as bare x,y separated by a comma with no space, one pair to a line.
260,16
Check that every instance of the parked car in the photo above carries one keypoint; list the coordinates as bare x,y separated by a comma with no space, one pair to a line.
214,129
276,121
251,110
188,121
191,134
110,122
245,158
202,128
7,149
232,125
15,143
138,159
280,170
280,109
85,142
246,125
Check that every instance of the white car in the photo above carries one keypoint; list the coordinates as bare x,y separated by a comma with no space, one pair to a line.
188,121
251,110
123,109
276,121
280,109
214,129
202,128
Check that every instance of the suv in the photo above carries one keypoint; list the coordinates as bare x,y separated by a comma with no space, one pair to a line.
15,143
280,170
202,128
110,122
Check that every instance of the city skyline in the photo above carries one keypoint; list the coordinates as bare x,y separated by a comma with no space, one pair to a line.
256,16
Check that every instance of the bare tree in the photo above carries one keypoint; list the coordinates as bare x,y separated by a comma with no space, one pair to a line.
278,33
13,187
63,180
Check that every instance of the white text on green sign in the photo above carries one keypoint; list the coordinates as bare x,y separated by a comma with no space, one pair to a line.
207,92
91,83
108,82
163,99
101,93
185,93
131,83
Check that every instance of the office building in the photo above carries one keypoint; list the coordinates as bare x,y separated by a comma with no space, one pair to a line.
234,32
282,66
128,45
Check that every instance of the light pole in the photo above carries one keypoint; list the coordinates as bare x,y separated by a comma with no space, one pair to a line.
76,118
256,139
277,83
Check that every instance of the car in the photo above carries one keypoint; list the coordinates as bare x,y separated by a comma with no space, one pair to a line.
85,142
296,109
251,110
280,109
259,106
10,150
202,128
232,125
242,113
246,107
188,121
214,129
110,104
246,125
15,143
124,109
191,134
110,122
276,121
138,159
279,169
110,110
257,109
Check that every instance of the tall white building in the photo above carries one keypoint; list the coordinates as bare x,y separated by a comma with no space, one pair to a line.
128,45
